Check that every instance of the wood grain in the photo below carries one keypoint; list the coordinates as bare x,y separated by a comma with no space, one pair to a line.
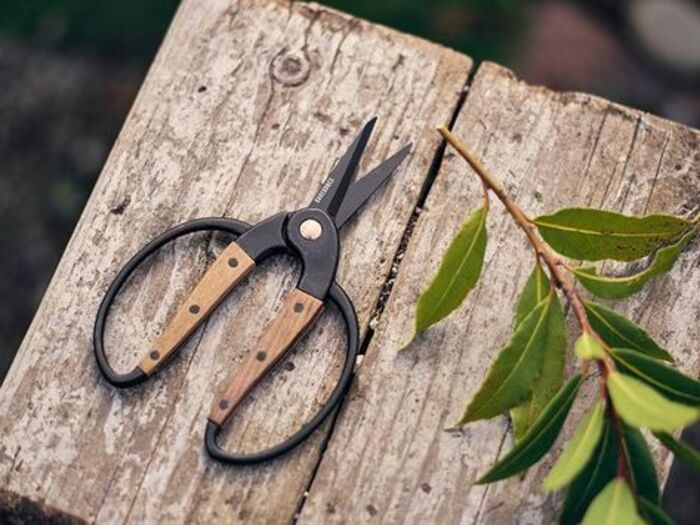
389,459
245,110
293,320
226,271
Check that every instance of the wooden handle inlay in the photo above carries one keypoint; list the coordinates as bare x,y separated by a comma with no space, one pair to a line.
298,312
227,270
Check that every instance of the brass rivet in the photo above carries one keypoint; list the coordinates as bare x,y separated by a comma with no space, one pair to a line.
310,229
233,262
261,356
194,309
155,355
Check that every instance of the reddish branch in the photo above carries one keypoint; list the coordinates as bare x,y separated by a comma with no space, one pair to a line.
559,271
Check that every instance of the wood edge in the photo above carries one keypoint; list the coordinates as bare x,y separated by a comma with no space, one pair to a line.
487,69
316,9
23,509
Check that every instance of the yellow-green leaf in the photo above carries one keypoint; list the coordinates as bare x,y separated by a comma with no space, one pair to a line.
535,291
613,506
669,382
643,407
578,450
588,347
620,332
457,275
552,360
621,287
593,235
682,451
592,479
509,381
540,438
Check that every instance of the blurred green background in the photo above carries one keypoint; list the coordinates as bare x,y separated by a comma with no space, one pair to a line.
70,69
134,28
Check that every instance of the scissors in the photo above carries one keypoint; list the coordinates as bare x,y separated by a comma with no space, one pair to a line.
311,235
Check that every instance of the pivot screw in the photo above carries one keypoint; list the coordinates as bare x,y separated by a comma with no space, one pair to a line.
310,229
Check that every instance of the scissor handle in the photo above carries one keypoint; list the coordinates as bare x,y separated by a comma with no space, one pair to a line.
185,321
297,314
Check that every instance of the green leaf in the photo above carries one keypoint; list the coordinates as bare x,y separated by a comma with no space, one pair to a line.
613,506
592,479
457,275
535,291
620,332
621,287
578,450
594,235
671,383
682,451
550,374
509,381
587,347
641,406
653,513
641,463
540,438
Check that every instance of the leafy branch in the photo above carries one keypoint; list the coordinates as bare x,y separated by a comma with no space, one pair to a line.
606,464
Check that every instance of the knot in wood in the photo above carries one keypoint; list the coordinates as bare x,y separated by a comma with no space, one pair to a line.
291,68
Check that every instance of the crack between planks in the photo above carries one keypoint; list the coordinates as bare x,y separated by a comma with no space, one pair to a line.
482,500
656,173
388,285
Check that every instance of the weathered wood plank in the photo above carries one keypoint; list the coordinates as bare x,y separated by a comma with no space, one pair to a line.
388,459
244,111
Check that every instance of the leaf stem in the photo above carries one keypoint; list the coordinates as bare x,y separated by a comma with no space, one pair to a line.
556,265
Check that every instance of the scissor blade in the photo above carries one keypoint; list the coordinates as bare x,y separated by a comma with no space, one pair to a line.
362,189
332,193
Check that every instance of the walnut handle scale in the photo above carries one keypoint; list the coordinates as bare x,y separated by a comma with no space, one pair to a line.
298,312
227,270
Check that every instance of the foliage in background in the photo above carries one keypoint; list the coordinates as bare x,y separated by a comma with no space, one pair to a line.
485,29
606,465
113,28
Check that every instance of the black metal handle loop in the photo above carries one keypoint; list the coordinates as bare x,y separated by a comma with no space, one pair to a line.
137,376
338,296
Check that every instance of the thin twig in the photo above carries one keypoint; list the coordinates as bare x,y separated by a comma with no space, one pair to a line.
557,267
559,270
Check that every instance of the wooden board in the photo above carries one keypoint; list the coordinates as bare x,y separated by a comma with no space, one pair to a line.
389,459
243,113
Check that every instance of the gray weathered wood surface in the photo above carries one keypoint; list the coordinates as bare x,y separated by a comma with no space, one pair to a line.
241,115
389,459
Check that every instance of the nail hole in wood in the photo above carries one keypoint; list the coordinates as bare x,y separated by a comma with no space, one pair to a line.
261,356
298,307
223,404
155,355
194,309
233,262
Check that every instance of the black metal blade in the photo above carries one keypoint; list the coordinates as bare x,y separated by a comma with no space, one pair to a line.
332,193
362,189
